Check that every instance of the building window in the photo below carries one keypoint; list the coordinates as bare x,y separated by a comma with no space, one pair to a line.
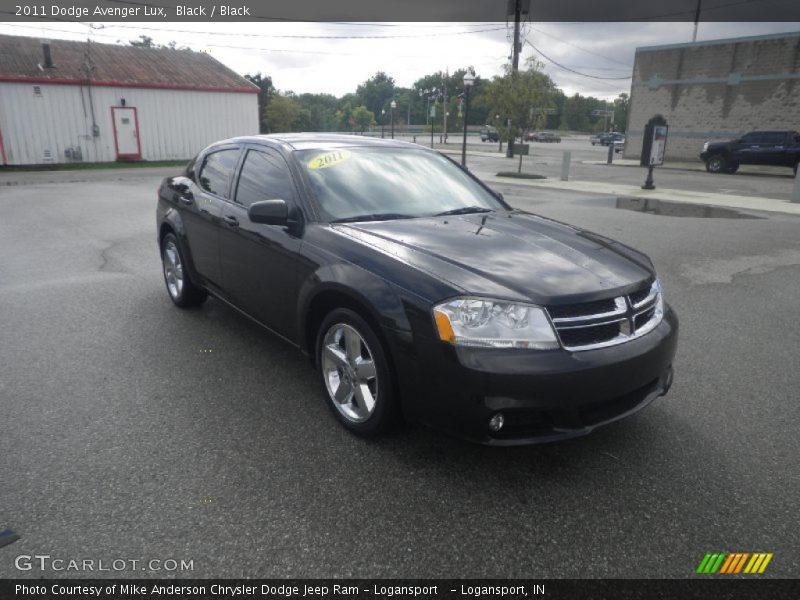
37,91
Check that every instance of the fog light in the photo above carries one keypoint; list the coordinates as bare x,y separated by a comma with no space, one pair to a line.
496,422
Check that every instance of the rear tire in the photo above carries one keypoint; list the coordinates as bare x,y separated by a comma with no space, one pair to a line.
355,373
180,287
716,164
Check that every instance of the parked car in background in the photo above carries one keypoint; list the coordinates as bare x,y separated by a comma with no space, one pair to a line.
532,331
779,148
619,145
612,138
595,139
543,136
489,134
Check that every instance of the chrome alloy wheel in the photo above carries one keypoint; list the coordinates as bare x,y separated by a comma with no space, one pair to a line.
173,269
349,372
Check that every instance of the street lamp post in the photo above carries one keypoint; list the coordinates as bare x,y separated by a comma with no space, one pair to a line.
469,79
392,106
383,120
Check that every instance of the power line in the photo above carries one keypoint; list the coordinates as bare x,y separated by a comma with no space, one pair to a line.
560,66
224,46
307,36
608,58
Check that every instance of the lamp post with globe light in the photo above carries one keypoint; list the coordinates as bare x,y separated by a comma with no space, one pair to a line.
392,106
469,79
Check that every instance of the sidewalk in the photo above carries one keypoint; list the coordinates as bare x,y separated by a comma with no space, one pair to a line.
690,197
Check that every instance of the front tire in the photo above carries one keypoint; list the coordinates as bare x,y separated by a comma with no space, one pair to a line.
716,164
182,290
355,374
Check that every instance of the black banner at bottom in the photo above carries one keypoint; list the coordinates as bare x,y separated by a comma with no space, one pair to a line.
400,589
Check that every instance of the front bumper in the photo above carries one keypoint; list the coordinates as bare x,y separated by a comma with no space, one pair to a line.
543,395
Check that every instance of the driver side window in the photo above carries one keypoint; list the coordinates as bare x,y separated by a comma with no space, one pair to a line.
264,176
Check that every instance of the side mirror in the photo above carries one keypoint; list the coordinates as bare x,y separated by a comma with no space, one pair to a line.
269,212
182,186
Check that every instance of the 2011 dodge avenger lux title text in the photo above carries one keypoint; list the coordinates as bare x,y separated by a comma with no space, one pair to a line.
417,290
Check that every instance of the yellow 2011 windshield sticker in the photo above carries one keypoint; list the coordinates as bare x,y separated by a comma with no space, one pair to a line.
328,159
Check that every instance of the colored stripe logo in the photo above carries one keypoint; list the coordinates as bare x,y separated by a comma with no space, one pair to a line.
731,563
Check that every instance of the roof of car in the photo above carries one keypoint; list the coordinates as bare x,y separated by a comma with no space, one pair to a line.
304,141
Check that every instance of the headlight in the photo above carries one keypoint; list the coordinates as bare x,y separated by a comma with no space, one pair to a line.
705,146
659,300
493,324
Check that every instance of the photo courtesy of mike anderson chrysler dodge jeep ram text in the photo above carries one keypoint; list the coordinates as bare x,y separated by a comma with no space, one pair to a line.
416,290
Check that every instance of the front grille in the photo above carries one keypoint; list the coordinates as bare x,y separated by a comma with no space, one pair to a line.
607,322
586,308
585,336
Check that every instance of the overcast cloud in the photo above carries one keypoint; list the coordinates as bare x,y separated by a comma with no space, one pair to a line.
337,66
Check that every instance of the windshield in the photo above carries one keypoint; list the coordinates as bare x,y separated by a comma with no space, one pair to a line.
391,183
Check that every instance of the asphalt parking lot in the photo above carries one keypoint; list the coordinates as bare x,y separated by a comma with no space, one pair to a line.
131,429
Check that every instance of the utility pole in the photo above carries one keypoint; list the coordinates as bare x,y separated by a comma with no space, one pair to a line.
514,63
696,20
444,108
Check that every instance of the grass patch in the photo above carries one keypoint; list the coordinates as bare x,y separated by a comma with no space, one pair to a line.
516,175
93,166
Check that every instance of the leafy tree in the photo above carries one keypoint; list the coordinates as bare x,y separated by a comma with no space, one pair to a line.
362,118
520,96
344,117
376,92
265,91
321,109
145,41
621,104
281,113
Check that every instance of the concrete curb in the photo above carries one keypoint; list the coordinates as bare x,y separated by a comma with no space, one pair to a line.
687,196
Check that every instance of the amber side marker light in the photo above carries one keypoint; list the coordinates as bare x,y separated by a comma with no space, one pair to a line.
446,333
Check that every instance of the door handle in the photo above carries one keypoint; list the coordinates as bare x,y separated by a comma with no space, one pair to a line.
187,198
231,220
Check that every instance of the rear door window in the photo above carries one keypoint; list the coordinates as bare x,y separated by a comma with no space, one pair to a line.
218,167
775,138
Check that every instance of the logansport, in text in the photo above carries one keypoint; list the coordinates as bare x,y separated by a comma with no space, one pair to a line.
282,590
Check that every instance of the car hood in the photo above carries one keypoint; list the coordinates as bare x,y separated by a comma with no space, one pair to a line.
509,254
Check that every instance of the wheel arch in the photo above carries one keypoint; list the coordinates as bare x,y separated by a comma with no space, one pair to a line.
330,296
172,223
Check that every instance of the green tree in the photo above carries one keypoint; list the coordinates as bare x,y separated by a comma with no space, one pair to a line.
281,113
145,41
621,104
265,91
376,92
521,97
321,109
362,118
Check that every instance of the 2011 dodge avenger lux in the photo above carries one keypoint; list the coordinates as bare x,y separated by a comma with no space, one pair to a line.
416,289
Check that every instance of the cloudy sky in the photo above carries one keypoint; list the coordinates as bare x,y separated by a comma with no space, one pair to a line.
336,57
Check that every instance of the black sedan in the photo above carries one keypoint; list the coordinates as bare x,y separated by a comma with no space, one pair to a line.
416,290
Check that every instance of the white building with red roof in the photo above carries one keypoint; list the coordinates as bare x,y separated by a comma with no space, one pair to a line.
64,101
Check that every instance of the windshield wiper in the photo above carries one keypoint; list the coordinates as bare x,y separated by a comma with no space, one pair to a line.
373,217
464,210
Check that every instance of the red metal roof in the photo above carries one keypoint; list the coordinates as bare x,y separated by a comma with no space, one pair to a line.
116,65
